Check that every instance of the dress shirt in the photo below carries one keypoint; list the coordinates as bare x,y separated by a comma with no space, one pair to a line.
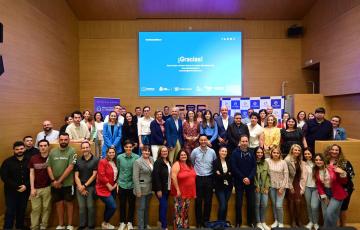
51,137
202,161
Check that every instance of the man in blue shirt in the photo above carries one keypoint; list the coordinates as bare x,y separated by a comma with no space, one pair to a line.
202,158
243,167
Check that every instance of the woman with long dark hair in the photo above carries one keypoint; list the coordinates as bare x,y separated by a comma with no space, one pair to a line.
191,132
130,132
209,128
157,136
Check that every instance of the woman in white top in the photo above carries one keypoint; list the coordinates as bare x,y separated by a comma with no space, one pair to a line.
143,126
279,179
99,140
311,194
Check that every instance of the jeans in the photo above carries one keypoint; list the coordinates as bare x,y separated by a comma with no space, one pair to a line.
223,197
163,206
145,139
204,192
110,206
86,208
41,206
127,195
277,204
261,202
143,211
312,204
250,203
331,212
15,203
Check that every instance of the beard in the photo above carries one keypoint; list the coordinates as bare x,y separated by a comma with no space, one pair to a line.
47,129
64,145
19,154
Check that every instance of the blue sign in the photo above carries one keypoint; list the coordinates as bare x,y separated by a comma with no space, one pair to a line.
105,105
276,103
244,114
255,104
235,104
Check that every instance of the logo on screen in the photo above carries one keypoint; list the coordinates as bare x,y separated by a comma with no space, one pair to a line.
276,103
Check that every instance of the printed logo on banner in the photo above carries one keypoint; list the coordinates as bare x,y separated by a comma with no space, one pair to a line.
226,103
255,104
276,103
235,104
244,114
264,103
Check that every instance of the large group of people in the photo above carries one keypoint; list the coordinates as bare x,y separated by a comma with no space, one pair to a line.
187,157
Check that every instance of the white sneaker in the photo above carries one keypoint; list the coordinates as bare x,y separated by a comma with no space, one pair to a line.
309,225
69,227
265,227
130,226
105,225
281,225
122,226
259,225
60,227
316,226
148,227
275,224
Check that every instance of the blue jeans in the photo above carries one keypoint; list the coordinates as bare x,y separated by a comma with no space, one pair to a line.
261,202
110,206
277,204
331,212
143,211
312,204
145,139
163,206
86,208
223,197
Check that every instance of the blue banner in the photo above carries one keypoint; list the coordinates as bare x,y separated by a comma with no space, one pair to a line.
105,105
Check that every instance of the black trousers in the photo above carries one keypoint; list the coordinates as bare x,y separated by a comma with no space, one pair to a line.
250,203
204,192
127,200
16,203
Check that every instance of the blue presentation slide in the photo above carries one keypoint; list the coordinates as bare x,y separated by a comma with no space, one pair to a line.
190,63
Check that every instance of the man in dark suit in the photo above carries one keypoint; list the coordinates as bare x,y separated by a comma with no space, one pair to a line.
234,132
223,122
174,133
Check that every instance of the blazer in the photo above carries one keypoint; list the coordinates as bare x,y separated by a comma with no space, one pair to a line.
234,132
156,137
142,176
336,185
172,134
340,134
111,138
219,180
221,129
262,175
292,172
160,176
105,174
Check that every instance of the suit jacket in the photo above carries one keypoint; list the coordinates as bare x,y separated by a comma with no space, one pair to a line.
160,176
221,129
220,179
111,138
142,176
156,137
172,134
234,132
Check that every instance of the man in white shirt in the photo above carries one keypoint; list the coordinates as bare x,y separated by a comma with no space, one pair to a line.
143,126
47,134
256,131
117,109
78,131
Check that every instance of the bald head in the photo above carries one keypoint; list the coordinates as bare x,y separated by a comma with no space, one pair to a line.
47,126
175,112
224,111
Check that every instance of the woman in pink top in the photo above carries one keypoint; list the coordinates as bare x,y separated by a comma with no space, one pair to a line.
182,188
330,182
191,132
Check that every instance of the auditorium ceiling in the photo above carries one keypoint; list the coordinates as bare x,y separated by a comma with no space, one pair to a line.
190,9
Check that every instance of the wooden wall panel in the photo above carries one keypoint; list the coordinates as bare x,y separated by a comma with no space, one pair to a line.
332,38
109,65
40,52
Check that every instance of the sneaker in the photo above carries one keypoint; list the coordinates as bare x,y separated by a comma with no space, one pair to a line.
69,227
60,227
281,225
259,225
105,225
275,224
316,226
130,226
309,225
265,227
148,227
122,226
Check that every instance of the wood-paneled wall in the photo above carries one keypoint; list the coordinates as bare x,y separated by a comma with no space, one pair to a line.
332,35
41,79
109,53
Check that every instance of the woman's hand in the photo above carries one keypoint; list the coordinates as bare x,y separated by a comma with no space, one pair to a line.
159,194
